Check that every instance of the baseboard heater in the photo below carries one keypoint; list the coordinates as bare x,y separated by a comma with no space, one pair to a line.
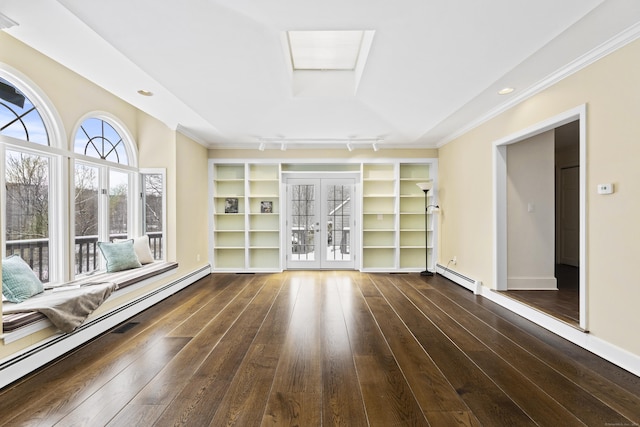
28,360
462,280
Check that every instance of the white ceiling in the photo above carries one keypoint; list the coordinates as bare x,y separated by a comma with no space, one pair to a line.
219,71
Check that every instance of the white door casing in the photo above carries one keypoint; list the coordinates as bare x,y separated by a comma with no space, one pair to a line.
320,223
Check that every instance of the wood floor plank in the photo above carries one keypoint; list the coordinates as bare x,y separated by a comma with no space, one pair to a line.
566,393
80,374
458,419
178,373
561,406
331,348
298,375
244,402
515,343
197,403
431,388
388,399
293,409
206,313
488,402
487,310
137,415
342,403
107,402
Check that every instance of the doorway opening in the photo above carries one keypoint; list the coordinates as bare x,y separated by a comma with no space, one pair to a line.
320,222
540,217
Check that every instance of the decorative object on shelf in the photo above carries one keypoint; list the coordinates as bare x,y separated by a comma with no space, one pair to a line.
266,206
426,186
231,205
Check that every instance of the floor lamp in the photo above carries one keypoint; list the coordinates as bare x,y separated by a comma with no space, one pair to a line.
426,186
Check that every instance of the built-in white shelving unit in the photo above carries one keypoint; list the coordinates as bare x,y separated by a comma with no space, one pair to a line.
229,227
392,208
246,217
412,218
264,217
393,217
379,216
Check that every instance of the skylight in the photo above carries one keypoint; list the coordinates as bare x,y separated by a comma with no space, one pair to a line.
325,50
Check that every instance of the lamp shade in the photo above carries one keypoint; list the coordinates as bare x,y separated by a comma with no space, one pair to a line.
425,186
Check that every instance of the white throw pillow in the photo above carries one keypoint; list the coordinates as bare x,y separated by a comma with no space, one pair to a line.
141,248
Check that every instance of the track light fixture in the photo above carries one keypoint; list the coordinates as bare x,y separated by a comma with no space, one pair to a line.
320,143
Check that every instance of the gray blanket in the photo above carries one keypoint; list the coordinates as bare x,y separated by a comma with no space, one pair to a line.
67,307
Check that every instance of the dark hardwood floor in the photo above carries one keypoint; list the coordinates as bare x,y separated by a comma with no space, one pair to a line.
564,303
326,348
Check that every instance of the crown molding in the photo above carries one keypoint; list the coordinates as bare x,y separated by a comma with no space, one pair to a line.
622,39
186,132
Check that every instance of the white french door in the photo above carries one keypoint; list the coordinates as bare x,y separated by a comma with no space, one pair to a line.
320,223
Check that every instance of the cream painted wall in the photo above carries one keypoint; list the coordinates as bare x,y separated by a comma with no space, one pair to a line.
531,213
191,203
611,90
158,147
72,95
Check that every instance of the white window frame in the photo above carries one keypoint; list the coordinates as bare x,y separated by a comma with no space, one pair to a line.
104,169
141,225
59,270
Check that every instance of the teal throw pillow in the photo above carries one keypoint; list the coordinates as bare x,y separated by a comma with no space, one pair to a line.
119,256
19,282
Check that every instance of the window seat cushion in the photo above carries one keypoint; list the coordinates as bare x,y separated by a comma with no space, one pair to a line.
14,321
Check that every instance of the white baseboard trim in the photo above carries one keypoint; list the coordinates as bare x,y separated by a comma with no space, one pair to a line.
597,346
464,281
28,360
532,283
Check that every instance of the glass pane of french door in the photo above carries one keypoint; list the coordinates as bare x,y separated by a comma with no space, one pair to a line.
338,222
303,223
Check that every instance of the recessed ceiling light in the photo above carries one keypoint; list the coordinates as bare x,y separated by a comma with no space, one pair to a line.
505,91
145,92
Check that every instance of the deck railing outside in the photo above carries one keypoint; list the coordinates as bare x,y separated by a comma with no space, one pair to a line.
36,252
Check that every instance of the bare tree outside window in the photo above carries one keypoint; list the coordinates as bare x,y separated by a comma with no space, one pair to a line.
27,209
303,221
86,217
118,204
153,213
86,200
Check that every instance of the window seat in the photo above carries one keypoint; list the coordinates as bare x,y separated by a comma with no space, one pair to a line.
123,279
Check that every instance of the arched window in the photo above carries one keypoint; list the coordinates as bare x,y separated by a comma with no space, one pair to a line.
19,118
97,138
30,182
105,183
